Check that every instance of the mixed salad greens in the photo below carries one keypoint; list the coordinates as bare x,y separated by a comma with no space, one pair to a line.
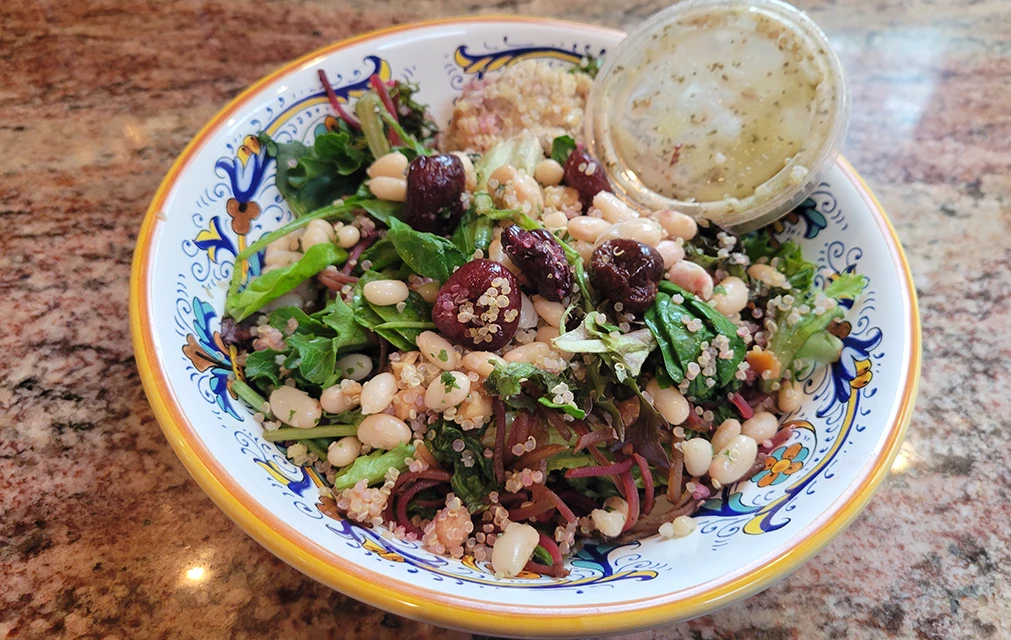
468,368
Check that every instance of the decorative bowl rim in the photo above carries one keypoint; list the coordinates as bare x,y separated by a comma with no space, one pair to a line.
414,601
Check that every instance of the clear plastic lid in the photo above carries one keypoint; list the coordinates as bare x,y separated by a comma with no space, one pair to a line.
728,110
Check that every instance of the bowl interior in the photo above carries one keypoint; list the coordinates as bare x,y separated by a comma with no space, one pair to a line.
845,435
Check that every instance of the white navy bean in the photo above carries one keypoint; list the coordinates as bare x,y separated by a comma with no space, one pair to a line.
449,389
513,549
355,366
344,451
383,431
386,292
438,350
294,407
377,393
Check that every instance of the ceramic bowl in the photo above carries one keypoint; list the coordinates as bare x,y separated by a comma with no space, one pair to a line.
220,195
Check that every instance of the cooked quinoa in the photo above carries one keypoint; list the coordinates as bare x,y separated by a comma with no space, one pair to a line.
529,98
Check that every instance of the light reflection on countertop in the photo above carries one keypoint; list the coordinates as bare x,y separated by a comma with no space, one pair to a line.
102,532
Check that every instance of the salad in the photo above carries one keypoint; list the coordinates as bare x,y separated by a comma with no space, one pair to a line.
480,348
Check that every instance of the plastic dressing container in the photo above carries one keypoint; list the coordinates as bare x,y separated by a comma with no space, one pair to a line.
725,110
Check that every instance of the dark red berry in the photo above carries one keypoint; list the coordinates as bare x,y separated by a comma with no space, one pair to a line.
628,272
541,259
479,306
584,174
435,185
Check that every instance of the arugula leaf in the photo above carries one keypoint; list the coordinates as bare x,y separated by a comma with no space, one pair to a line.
262,368
373,467
339,318
561,147
471,484
427,254
274,284
311,177
474,232
316,357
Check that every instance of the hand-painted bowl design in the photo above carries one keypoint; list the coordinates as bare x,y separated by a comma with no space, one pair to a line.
220,195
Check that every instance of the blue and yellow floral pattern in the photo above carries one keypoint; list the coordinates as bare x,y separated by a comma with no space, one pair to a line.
243,204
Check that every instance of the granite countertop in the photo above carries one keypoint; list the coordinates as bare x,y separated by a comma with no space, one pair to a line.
104,535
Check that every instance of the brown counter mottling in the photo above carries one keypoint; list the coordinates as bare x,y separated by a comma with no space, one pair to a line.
98,520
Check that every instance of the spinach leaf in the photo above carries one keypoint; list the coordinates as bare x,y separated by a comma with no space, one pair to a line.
274,284
382,255
316,357
311,177
679,346
373,467
473,483
381,210
427,254
262,368
726,368
561,147
279,319
658,326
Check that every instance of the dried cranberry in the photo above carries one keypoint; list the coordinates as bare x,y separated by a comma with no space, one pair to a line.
628,272
585,175
540,258
435,185
479,305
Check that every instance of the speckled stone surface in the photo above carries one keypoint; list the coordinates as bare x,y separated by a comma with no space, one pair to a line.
100,526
